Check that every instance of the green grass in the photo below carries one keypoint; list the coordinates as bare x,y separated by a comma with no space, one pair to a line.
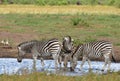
66,2
90,27
52,77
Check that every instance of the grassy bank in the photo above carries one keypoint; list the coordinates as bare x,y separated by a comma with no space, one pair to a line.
82,27
43,76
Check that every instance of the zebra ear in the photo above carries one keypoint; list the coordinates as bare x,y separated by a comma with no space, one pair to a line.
72,40
65,38
19,48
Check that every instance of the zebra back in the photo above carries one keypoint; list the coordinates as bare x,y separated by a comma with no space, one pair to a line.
94,49
47,47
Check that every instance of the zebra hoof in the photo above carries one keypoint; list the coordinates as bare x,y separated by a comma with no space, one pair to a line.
90,69
102,70
71,69
42,69
80,69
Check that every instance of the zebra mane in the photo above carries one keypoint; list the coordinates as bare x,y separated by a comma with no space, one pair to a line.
27,46
26,42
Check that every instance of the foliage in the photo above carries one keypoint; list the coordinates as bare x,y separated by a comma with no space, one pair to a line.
65,2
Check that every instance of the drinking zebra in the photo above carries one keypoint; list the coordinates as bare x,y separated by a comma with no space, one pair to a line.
67,49
93,49
44,48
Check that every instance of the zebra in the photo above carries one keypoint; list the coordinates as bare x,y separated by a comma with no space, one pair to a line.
67,49
94,49
44,48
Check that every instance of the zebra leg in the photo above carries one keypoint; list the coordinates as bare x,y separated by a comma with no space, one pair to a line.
73,62
106,56
60,61
42,63
55,57
109,63
83,61
65,62
34,63
89,63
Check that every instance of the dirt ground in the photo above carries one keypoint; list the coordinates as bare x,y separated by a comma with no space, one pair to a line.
10,51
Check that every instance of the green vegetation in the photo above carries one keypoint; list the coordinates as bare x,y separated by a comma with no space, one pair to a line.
65,2
52,77
88,28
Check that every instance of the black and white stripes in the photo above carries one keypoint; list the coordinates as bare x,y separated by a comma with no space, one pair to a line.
43,48
48,47
93,49
55,48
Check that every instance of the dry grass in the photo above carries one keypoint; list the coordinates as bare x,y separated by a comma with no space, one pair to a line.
71,9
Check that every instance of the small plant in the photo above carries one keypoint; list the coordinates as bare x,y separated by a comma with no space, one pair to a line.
75,21
79,21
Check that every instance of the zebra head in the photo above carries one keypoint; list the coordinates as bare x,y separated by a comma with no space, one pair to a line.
67,44
20,54
25,47
74,57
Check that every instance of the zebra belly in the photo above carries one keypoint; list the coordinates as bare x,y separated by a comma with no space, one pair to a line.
45,54
95,55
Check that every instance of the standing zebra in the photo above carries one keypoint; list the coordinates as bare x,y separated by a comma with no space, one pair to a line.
93,49
44,48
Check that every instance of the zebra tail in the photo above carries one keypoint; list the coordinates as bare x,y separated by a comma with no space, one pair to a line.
113,59
113,56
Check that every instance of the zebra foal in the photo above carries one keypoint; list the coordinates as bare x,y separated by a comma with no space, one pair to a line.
93,49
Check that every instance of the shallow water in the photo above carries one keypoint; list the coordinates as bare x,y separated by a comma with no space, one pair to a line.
11,66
